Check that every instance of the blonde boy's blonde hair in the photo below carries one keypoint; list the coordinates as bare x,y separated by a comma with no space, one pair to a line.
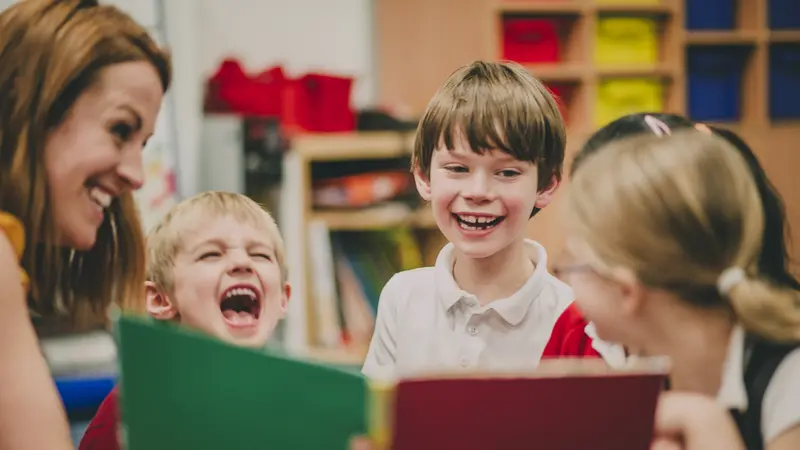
678,211
164,240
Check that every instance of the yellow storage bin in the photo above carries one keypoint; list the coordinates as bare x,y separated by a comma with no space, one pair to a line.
626,41
619,97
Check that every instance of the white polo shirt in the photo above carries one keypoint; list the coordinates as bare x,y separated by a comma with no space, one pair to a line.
780,409
426,323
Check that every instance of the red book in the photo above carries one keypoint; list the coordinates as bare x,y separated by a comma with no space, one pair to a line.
565,405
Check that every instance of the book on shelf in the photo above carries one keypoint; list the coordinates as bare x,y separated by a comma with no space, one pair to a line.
349,270
213,395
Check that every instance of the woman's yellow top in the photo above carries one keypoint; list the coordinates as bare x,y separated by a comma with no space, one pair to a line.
13,229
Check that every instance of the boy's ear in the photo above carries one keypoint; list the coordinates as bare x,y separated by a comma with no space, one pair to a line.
287,294
545,196
423,184
159,305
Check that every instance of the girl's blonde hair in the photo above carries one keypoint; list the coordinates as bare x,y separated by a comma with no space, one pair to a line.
51,52
678,211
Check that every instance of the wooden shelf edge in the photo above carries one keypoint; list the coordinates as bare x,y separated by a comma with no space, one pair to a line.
628,71
561,72
784,36
726,37
563,7
353,145
375,219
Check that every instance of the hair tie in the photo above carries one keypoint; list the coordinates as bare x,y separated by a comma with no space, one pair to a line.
658,127
729,278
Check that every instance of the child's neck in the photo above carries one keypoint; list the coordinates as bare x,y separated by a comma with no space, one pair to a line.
698,348
495,277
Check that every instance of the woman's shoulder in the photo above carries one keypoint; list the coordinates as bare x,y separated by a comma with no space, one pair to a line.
12,228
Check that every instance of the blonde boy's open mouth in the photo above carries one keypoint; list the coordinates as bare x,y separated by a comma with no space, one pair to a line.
241,306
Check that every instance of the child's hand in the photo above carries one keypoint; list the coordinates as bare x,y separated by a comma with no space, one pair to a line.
686,421
363,443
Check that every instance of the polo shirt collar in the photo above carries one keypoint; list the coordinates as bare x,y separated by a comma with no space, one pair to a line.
512,309
732,393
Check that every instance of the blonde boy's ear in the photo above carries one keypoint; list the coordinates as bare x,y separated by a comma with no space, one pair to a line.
423,184
546,195
287,294
159,305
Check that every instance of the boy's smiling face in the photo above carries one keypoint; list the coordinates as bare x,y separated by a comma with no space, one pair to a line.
226,283
481,201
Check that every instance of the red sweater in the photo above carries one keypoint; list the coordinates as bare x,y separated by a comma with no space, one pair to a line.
102,431
568,338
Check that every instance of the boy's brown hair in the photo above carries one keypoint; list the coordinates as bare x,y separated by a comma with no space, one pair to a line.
496,105
164,240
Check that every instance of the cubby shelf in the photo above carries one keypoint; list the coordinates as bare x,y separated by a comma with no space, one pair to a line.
301,331
588,32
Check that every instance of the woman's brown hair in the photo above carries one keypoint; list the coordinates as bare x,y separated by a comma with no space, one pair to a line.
51,51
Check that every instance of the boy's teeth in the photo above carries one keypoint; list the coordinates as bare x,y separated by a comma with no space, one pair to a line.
240,291
103,199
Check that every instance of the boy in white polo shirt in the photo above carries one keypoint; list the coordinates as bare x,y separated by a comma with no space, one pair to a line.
488,155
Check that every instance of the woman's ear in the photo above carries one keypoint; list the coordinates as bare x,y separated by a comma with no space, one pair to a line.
159,305
423,184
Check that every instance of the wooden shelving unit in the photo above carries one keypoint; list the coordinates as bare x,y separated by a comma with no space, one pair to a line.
415,56
301,334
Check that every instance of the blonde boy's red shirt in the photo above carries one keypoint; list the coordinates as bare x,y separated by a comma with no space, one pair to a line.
101,434
569,338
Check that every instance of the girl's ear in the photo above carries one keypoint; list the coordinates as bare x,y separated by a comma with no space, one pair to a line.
158,303
423,184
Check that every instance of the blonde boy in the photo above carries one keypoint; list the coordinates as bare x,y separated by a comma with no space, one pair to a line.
488,155
215,263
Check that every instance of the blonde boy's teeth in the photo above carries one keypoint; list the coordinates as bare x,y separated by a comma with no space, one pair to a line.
481,219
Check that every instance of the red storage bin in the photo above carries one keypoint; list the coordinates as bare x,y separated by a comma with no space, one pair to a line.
529,40
319,103
561,92
232,90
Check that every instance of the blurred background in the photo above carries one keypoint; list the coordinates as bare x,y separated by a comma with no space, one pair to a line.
309,106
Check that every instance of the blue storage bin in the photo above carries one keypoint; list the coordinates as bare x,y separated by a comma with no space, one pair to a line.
784,81
784,14
711,14
84,393
714,82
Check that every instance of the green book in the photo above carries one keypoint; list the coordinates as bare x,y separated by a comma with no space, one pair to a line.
183,390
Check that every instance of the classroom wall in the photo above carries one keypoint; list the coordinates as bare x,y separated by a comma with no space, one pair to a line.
301,35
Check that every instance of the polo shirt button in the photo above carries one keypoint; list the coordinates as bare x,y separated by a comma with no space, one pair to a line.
472,331
464,362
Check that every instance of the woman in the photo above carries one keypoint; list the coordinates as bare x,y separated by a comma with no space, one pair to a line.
82,87
665,248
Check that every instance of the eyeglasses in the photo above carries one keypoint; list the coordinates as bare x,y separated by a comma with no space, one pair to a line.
561,270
